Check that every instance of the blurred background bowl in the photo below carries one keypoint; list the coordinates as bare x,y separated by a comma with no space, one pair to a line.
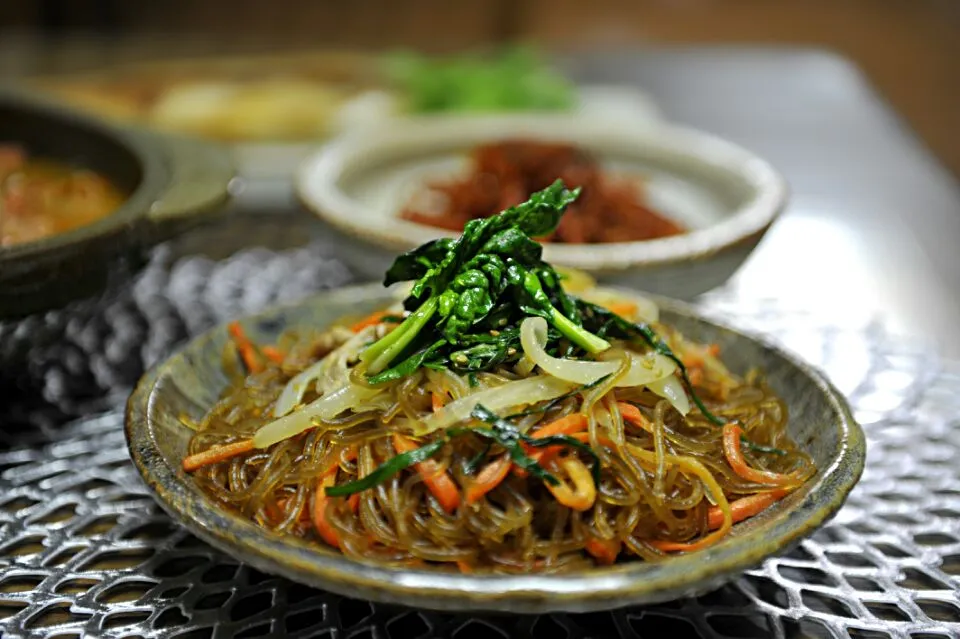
725,196
170,183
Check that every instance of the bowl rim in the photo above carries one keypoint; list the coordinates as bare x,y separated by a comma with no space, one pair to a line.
316,182
597,589
155,177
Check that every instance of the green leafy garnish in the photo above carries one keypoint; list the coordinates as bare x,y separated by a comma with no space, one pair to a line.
407,366
511,443
473,464
500,432
761,448
504,431
470,294
513,81
388,469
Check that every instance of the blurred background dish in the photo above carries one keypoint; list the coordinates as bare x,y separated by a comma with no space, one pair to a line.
297,97
723,195
232,99
149,187
272,109
40,197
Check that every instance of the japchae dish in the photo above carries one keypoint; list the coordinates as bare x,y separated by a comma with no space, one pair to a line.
503,418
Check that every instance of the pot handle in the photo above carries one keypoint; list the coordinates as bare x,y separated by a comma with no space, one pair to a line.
201,174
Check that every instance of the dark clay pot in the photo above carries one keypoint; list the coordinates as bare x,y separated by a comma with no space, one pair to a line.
171,184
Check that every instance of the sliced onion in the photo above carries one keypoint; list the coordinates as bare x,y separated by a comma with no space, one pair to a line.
672,390
644,369
295,389
324,408
520,393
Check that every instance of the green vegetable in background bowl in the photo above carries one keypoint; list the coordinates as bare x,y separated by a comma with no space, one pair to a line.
514,80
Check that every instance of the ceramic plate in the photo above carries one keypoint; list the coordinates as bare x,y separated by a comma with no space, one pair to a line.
191,381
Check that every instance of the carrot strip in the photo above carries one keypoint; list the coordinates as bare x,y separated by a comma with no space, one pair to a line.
623,308
573,423
335,463
354,502
585,438
464,567
488,478
745,507
273,353
605,551
320,500
635,416
695,375
248,352
436,401
545,455
436,479
217,454
741,509
697,358
370,320
731,450
584,492
274,512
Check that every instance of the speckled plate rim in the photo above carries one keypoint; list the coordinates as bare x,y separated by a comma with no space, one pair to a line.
597,589
317,189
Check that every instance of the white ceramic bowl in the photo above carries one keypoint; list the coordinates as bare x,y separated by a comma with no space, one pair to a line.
726,195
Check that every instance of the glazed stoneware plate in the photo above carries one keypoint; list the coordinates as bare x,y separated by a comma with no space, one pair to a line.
725,195
190,382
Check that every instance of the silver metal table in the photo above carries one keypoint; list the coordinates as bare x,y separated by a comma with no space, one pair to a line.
873,227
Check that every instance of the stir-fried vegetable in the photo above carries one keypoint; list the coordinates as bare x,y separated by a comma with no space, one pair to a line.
513,80
492,272
500,432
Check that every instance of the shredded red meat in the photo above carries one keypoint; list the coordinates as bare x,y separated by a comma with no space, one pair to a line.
505,173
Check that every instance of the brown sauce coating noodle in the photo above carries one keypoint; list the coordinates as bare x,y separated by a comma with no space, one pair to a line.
657,490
